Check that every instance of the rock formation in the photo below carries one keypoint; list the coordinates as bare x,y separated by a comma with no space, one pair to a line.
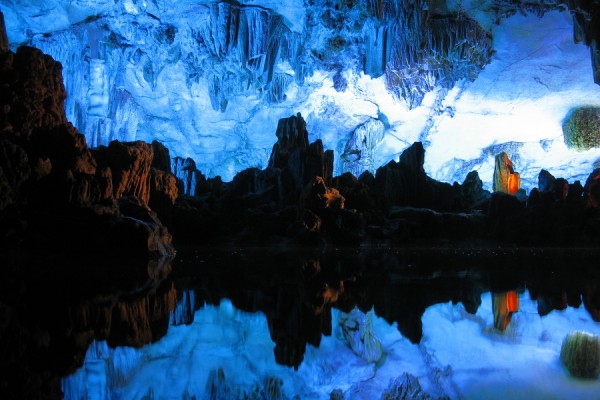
182,74
62,200
358,332
585,23
580,354
504,305
47,165
295,201
581,128
404,387
50,326
76,221
506,180
63,192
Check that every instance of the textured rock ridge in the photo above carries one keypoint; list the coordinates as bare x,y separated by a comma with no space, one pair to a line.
208,78
59,188
439,51
294,202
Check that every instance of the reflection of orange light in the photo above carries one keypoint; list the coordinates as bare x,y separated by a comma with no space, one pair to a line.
512,301
334,199
504,305
514,183
330,296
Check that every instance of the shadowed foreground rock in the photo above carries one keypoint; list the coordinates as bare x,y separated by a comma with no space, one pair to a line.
58,195
75,225
51,319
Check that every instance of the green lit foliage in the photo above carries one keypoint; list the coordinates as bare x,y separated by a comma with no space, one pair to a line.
581,128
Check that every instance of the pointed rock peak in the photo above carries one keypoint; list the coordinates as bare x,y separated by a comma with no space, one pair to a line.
505,162
291,135
413,157
473,179
545,180
292,130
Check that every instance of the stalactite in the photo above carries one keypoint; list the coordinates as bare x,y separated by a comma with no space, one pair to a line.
429,51
360,150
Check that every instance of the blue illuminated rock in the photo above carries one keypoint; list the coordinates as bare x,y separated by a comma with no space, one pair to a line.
357,329
404,387
211,79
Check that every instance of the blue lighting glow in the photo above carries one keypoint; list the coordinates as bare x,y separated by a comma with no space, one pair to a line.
457,349
146,70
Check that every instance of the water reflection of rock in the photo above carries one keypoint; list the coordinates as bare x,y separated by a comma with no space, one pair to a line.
357,329
52,322
49,321
504,305
297,292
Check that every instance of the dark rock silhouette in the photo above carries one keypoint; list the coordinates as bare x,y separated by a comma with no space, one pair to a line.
284,205
47,165
405,183
63,194
49,175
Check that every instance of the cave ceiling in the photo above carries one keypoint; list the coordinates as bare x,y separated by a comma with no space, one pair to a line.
211,79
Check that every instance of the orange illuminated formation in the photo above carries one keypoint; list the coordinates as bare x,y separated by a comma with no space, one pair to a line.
514,183
506,180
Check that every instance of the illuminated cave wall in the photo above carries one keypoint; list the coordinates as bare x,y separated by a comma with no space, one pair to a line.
211,79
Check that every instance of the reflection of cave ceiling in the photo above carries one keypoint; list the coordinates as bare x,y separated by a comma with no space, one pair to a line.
210,79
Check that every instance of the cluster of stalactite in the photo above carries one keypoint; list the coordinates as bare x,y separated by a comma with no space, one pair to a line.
246,42
419,49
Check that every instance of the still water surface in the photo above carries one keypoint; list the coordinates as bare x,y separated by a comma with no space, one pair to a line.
351,324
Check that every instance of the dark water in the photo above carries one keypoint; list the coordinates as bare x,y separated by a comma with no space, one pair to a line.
249,323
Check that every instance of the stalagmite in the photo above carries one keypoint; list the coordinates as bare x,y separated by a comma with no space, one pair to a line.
505,178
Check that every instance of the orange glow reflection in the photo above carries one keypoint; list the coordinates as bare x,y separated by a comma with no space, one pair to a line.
504,305
329,296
